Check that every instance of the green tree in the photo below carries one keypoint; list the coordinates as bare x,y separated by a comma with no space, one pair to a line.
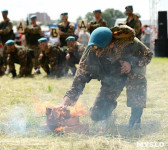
110,15
89,16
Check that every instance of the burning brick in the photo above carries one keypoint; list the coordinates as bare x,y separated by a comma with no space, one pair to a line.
60,119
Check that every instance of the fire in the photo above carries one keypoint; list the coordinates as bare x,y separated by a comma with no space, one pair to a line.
40,107
78,110
59,128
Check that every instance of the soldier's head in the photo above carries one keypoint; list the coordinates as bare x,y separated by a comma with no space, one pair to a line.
33,19
101,40
64,16
5,13
71,43
43,43
129,10
97,14
10,45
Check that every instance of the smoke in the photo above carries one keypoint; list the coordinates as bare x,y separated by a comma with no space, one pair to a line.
15,120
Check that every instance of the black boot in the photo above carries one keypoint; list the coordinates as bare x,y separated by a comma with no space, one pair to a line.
13,73
136,114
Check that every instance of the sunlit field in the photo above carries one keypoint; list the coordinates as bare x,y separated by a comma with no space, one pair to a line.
22,117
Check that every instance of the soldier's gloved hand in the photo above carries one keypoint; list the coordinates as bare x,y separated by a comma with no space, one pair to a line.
125,66
67,56
67,102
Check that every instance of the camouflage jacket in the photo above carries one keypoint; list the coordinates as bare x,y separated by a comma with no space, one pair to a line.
135,24
32,33
68,30
94,25
79,49
93,67
7,28
54,55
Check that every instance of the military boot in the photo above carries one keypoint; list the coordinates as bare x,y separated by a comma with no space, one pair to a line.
136,114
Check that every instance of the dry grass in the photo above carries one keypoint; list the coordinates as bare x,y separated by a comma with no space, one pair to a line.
21,126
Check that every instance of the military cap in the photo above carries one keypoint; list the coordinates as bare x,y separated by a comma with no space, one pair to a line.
97,10
41,40
70,38
100,37
10,42
129,6
33,16
64,13
5,11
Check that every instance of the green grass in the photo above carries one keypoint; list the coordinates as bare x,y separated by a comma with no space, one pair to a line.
21,127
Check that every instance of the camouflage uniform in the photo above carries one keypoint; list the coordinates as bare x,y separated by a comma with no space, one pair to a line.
135,24
75,57
54,57
2,69
6,35
94,25
22,56
68,30
33,33
107,69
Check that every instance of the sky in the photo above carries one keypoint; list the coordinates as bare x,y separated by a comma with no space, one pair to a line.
18,9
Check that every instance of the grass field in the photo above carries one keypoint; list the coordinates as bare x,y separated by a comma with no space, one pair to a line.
21,123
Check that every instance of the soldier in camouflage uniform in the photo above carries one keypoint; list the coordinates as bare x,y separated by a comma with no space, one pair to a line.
99,22
75,51
133,21
2,69
65,29
51,59
32,34
21,56
6,33
116,62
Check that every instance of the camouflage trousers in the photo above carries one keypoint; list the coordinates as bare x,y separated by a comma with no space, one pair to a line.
51,67
25,69
5,55
111,88
37,51
2,69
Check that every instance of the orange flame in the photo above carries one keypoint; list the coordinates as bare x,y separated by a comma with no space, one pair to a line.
59,128
78,110
40,107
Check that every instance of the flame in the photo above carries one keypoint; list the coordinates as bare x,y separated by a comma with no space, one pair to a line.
78,110
40,107
59,128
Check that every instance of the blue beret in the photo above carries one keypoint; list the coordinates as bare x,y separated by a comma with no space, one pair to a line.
10,42
97,10
41,40
130,6
5,11
33,16
65,13
100,37
70,38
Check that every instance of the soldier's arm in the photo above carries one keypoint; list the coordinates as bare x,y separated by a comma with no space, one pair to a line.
82,76
33,30
8,28
142,55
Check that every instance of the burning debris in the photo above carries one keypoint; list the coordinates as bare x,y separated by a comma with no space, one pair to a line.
61,119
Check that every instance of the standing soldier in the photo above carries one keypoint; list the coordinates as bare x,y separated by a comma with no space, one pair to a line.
99,22
51,59
65,29
6,33
133,21
32,34
117,59
19,55
75,51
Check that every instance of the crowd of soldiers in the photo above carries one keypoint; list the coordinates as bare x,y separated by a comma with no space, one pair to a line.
115,56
